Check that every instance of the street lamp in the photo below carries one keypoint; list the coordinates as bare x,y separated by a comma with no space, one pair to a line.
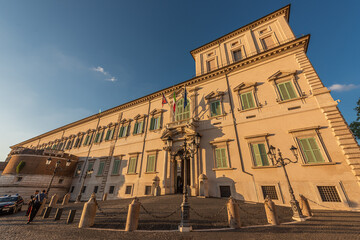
280,161
57,167
187,150
88,172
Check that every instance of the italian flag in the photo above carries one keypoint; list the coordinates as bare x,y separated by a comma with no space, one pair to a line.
174,106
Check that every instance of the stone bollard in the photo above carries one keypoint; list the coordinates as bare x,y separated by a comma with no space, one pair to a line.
132,219
47,212
66,199
71,216
233,211
270,210
306,210
104,196
53,200
41,209
88,214
58,214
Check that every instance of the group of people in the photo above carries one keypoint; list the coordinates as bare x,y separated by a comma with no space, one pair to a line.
35,204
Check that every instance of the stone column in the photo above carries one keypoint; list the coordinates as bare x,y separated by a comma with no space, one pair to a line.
163,181
192,176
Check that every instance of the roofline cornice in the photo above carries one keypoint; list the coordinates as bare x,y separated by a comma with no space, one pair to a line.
285,10
299,42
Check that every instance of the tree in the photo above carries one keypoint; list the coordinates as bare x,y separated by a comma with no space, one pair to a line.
355,125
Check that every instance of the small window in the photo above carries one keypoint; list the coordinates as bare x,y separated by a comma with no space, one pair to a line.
138,127
267,42
123,131
147,190
72,189
155,123
83,189
88,139
78,141
220,158
215,108
259,154
225,191
237,55
61,180
247,100
269,191
96,189
132,165
101,168
182,113
286,90
210,65
78,169
128,190
69,144
111,189
99,136
329,194
116,167
110,134
19,179
150,167
311,150
90,166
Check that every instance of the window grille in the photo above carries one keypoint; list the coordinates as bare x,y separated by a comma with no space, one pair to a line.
270,191
225,191
329,194
128,190
147,190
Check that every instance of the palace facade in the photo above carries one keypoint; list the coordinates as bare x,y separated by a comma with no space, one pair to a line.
254,90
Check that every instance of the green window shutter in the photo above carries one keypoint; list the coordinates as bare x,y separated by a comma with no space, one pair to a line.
101,135
311,150
283,92
244,102
116,166
107,137
250,100
150,164
215,108
121,132
141,128
126,131
135,127
152,123
218,158
247,100
257,155
132,165
263,154
158,122
90,166
223,158
97,137
111,135
290,89
101,168
286,90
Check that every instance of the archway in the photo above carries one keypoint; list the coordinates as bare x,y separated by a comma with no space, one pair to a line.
179,170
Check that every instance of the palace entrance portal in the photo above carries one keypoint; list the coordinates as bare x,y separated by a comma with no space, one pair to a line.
179,170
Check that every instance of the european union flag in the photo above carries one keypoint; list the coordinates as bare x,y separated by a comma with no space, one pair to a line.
185,98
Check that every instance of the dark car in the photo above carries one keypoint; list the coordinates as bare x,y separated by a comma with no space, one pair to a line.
11,203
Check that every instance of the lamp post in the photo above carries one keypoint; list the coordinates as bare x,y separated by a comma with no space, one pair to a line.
187,150
57,167
280,161
88,172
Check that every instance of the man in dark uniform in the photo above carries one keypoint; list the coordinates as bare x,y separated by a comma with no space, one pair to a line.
36,205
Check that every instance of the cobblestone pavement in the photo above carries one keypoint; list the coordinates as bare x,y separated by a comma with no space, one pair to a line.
210,214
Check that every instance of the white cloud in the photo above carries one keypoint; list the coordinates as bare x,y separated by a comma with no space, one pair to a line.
99,69
343,87
112,79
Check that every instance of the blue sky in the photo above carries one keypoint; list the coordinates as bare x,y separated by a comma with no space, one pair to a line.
61,61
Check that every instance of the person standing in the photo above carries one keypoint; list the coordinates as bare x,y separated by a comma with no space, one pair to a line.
30,204
35,207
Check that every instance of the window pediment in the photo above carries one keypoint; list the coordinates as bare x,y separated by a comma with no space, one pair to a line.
139,116
214,94
244,85
156,111
125,120
281,74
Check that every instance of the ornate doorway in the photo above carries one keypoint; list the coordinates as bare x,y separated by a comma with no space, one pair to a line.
178,171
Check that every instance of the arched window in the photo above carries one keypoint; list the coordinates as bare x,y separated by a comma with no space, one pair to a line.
180,112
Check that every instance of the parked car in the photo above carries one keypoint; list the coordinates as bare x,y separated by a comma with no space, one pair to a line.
11,203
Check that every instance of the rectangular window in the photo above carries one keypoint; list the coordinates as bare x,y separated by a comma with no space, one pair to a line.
329,194
155,123
88,139
90,167
225,191
221,160
210,65
123,131
138,127
101,168
259,154
237,55
116,167
267,42
78,169
111,189
147,190
96,189
269,191
109,134
286,90
132,165
215,108
99,136
311,150
78,142
128,190
247,101
150,167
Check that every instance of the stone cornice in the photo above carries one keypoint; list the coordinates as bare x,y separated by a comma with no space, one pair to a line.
296,43
285,10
